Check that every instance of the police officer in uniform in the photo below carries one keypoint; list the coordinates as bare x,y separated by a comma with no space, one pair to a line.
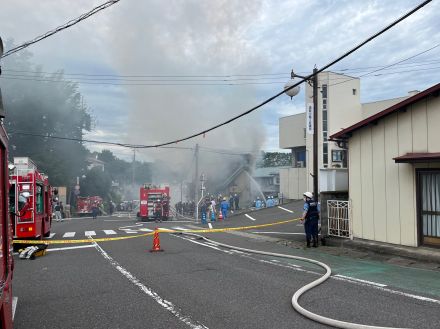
310,219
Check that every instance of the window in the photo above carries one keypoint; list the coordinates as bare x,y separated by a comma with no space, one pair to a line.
324,91
338,155
39,199
354,91
325,154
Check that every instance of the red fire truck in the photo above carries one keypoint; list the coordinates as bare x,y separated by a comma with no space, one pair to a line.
85,204
28,185
6,259
154,200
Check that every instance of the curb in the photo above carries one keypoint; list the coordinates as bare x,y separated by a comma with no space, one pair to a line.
424,254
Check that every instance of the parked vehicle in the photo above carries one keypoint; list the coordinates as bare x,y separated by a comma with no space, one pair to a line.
6,234
84,205
30,186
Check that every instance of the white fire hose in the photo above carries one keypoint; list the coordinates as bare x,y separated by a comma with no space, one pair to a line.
295,297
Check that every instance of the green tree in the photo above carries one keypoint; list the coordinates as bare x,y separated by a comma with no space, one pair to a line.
275,159
41,104
97,182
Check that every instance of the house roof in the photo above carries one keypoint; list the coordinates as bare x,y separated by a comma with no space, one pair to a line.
345,133
417,157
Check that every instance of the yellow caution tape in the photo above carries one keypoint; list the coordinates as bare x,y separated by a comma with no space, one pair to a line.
91,240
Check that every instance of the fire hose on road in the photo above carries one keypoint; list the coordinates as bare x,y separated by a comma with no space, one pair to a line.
298,293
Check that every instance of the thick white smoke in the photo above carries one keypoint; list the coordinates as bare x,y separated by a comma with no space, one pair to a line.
189,38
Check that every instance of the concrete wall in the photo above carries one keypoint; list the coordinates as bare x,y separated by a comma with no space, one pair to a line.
382,192
292,131
293,182
369,109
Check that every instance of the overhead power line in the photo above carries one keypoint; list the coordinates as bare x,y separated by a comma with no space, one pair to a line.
393,64
339,79
164,77
130,146
62,27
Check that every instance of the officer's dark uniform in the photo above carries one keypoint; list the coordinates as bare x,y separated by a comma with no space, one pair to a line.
311,222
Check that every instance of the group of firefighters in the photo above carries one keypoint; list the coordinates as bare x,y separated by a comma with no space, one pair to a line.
310,217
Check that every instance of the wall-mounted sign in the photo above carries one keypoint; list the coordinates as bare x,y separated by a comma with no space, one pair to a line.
309,120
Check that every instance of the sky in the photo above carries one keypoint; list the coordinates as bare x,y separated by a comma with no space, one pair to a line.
155,71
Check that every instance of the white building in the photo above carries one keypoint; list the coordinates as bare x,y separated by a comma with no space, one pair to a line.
339,107
394,172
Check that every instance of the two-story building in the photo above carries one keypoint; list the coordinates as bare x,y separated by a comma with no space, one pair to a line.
339,106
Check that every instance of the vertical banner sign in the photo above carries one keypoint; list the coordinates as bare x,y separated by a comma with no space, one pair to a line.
309,121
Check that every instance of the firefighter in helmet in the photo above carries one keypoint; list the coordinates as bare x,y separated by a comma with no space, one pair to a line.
158,210
310,219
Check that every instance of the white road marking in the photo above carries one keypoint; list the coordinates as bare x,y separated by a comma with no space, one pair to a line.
89,233
129,227
359,280
249,217
292,233
14,306
69,235
117,220
109,232
150,292
145,230
164,229
131,232
51,235
68,248
210,226
286,209
180,229
203,244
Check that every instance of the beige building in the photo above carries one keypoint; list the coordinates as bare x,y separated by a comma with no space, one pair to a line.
394,172
339,106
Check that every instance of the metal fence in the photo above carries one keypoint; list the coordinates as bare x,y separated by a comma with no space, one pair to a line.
338,218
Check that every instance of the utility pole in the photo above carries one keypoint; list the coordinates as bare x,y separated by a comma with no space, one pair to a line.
293,92
134,162
196,181
315,133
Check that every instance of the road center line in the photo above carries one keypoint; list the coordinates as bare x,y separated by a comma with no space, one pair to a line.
148,291
249,217
286,209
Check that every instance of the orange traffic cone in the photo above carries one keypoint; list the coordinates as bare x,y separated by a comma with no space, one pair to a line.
156,241
220,216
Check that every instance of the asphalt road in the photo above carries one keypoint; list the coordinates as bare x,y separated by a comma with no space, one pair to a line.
194,284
